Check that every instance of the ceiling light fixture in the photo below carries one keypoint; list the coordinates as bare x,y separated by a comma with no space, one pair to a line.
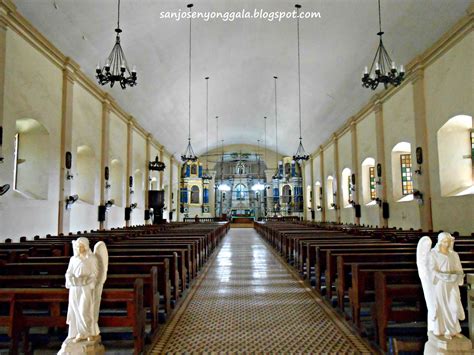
385,69
189,152
300,154
277,174
116,68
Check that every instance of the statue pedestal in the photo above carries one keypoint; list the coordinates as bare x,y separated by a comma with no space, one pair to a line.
84,347
440,345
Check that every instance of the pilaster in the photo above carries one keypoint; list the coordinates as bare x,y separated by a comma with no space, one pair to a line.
129,173
355,168
323,185
104,157
380,142
337,173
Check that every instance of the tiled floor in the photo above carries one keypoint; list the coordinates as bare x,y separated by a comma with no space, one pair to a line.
248,302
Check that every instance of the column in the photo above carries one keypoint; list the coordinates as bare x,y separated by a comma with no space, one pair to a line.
178,191
382,182
160,174
104,159
129,167
355,168
422,179
313,190
147,175
323,185
5,8
65,176
338,179
170,189
304,192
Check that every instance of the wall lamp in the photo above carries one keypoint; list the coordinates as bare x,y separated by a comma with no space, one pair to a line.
417,195
4,189
71,200
133,206
109,203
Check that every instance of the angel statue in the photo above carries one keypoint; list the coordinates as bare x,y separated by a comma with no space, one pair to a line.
441,274
85,278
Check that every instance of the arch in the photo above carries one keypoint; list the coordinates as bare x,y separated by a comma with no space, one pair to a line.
31,168
368,181
116,182
195,194
194,169
455,156
86,174
346,188
138,188
402,172
241,192
286,193
330,192
287,169
318,195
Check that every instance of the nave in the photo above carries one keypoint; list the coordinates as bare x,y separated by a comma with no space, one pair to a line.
249,301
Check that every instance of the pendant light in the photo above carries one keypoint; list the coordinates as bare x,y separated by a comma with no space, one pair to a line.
189,152
277,174
300,154
206,177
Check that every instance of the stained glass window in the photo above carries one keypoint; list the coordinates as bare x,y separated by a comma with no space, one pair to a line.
372,182
407,179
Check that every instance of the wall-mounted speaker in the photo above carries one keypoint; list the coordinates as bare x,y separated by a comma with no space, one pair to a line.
379,170
1,136
106,173
147,215
102,211
358,211
385,210
68,160
419,155
128,212
353,179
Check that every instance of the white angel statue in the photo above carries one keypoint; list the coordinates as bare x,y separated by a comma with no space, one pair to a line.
441,274
85,278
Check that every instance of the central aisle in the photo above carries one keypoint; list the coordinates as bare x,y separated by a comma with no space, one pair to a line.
248,301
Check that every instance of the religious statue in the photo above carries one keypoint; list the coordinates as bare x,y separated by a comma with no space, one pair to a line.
441,274
85,278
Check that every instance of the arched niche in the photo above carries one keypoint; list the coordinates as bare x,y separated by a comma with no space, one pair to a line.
116,182
195,192
455,156
31,156
318,195
402,172
368,181
154,183
309,196
346,188
330,192
86,174
286,194
138,188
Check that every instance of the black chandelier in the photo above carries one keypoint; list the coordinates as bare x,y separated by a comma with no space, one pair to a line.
156,165
277,174
116,68
189,152
206,177
385,69
300,154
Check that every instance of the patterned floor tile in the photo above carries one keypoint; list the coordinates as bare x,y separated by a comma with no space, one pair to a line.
248,301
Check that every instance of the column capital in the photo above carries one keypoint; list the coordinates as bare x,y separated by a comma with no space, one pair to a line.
131,122
70,68
107,101
417,71
378,106
353,122
334,137
149,138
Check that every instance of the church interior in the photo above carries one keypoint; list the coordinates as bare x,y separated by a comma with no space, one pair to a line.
251,176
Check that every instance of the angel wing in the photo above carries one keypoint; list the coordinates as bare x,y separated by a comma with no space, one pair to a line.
102,255
423,250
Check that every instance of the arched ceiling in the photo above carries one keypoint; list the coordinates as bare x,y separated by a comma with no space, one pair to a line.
241,58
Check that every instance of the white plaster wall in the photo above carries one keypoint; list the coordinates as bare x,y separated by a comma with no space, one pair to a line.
33,89
86,130
367,148
118,150
399,126
449,92
345,161
329,170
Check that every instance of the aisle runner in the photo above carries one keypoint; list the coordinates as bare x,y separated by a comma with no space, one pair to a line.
248,301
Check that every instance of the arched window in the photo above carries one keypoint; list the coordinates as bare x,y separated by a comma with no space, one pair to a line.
240,168
139,193
240,192
116,182
286,193
30,172
346,188
86,174
195,194
368,182
193,169
318,195
402,172
287,169
456,156
330,192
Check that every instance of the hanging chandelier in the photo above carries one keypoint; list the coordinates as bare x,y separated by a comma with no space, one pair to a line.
300,154
189,152
116,68
206,177
277,174
384,69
